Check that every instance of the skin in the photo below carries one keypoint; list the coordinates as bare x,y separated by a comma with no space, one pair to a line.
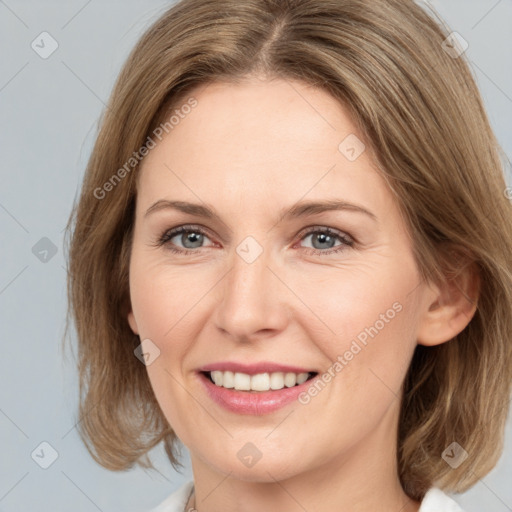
251,150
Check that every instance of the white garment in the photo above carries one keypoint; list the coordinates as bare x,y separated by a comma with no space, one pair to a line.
177,500
435,500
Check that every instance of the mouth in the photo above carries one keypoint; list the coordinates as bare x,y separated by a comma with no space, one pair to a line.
259,382
250,390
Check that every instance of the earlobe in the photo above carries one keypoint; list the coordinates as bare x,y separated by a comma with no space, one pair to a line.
132,322
450,308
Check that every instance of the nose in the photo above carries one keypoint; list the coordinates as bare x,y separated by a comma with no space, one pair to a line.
252,298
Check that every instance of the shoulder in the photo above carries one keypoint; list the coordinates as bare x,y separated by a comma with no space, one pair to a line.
436,500
177,500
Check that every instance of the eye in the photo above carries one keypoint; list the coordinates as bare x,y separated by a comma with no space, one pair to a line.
191,237
325,238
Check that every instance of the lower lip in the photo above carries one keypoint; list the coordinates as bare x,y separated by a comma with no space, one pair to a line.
252,402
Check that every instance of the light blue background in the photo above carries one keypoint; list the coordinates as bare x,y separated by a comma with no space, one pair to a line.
50,108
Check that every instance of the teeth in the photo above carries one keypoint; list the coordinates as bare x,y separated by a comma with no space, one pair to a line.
258,382
290,380
217,377
302,377
277,380
242,381
228,379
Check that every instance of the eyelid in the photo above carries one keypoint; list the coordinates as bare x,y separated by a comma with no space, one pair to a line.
323,228
167,234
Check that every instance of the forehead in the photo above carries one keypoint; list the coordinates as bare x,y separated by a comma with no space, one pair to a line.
256,142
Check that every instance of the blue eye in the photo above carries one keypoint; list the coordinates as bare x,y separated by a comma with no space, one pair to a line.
192,238
189,234
328,236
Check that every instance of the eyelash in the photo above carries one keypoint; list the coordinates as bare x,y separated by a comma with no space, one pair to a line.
347,242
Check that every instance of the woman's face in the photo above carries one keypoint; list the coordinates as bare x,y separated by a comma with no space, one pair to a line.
263,290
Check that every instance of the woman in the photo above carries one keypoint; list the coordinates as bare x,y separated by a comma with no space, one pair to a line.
291,254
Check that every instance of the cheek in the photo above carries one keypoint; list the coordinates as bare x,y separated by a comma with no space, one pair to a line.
166,302
162,296
358,303
367,317
160,301
175,403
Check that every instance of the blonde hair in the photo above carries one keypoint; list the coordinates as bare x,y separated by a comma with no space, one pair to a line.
425,125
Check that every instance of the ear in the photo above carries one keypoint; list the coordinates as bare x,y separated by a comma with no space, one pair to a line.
132,322
450,306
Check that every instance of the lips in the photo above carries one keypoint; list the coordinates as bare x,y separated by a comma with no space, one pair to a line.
254,399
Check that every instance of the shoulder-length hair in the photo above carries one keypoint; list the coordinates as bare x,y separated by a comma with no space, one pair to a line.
415,100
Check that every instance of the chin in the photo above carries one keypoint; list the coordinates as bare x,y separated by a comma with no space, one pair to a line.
265,470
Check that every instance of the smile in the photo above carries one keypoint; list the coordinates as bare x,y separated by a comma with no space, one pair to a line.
254,389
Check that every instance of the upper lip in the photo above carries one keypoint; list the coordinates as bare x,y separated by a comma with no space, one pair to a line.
253,368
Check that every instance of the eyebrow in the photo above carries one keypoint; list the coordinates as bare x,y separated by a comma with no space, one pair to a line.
302,209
